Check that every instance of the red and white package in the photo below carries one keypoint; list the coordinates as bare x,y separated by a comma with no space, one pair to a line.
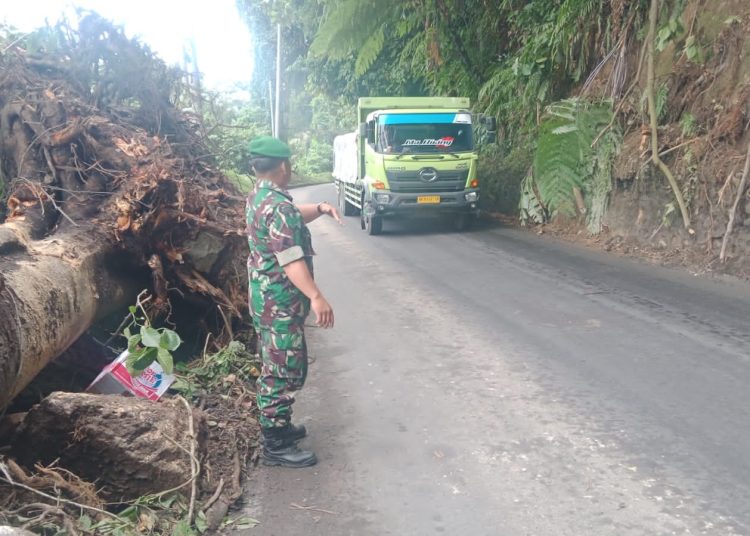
115,379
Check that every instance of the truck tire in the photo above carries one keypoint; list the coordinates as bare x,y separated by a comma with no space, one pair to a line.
373,225
345,207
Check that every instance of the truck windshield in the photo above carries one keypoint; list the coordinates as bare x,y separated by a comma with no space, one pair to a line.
424,133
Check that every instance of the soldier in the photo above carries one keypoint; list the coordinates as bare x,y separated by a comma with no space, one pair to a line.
282,293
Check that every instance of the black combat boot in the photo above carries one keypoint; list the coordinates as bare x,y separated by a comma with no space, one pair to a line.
295,432
279,449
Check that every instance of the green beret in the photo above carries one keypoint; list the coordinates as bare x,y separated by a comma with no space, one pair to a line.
270,147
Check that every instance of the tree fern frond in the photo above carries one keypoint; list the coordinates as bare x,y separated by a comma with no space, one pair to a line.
369,52
565,159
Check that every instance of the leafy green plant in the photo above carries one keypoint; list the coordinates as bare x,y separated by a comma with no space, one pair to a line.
501,173
662,96
667,33
244,183
693,50
688,125
673,28
147,344
530,209
150,514
575,151
215,370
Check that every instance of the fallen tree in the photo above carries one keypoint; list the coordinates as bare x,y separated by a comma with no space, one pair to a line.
108,188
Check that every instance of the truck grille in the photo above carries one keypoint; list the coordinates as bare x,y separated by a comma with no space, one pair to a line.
409,182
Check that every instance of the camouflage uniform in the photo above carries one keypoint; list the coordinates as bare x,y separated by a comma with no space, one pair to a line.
277,236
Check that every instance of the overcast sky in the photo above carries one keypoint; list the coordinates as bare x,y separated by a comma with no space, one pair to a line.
222,40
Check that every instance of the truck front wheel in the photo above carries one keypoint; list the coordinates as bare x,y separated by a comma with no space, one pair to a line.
372,223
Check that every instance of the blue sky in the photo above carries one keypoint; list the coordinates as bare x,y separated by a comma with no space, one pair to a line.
223,42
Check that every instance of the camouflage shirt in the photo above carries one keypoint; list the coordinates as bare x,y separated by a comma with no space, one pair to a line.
277,236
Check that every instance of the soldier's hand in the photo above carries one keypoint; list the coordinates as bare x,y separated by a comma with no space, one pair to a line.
331,211
336,216
323,312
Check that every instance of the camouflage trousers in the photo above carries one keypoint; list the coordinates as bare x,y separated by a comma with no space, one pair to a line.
283,350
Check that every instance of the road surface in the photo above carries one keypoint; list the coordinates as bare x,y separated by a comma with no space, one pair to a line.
500,383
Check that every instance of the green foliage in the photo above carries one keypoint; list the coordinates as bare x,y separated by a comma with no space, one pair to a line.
355,26
313,147
511,58
567,159
662,102
667,33
734,19
559,157
693,50
549,51
599,185
530,209
230,125
153,514
688,125
147,344
315,157
673,27
243,182
501,174
212,372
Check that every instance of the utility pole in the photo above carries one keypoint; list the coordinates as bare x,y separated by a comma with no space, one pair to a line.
271,108
277,119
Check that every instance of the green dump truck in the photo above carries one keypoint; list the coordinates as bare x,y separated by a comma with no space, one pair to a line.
411,156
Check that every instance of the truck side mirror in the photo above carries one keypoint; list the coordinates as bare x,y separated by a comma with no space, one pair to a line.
490,137
490,124
370,132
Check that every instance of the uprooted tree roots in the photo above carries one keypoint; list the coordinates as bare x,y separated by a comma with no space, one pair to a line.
109,188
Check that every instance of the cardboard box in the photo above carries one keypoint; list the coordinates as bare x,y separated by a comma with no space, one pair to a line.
115,379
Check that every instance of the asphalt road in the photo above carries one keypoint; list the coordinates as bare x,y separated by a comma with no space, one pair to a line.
499,383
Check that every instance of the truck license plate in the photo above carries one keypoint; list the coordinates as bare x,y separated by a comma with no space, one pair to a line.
428,199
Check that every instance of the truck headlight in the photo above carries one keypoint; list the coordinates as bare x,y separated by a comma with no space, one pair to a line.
382,198
472,197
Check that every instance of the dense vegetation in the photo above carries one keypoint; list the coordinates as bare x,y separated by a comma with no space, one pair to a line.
596,75
512,58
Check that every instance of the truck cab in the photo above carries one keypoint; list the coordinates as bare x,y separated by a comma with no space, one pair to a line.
414,157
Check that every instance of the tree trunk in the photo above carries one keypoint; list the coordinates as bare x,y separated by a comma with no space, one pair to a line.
51,291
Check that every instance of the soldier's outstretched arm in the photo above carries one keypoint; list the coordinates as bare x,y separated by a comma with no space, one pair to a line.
312,212
300,276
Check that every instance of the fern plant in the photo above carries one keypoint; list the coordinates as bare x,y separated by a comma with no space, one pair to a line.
567,159
357,27
530,209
